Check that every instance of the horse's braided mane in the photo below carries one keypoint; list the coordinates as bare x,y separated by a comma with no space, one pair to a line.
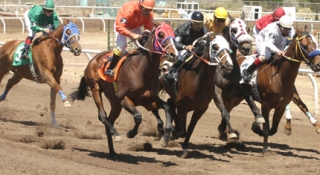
41,38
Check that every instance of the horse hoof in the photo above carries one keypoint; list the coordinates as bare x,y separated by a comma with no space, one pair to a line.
287,129
67,104
130,135
260,120
222,136
317,125
233,136
175,134
117,139
164,142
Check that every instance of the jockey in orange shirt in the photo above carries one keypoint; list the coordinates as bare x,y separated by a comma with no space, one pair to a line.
130,18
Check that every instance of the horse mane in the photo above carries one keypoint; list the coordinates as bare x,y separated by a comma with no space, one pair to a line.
43,37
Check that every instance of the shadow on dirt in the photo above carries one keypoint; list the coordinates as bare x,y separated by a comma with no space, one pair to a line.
126,158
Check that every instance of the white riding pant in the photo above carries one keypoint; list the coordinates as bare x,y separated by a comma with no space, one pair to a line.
121,40
255,32
262,49
31,33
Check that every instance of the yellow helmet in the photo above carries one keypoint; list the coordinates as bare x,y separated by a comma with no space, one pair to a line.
221,13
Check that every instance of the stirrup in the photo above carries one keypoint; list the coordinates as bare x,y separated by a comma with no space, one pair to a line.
109,72
246,76
173,74
25,55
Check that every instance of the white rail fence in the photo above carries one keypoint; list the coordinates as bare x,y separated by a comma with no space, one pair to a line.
308,71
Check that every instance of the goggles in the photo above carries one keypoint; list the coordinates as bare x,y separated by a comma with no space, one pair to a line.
47,11
286,29
220,20
146,10
195,23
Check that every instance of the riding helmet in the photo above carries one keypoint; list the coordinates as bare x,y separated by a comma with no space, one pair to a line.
197,16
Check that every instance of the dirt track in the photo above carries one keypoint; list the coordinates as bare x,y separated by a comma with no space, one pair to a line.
26,113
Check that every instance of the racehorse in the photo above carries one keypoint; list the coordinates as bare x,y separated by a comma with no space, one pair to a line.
195,87
275,81
228,85
136,83
46,63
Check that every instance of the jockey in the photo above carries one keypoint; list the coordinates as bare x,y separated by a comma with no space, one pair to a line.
130,18
39,19
186,34
271,39
267,19
219,19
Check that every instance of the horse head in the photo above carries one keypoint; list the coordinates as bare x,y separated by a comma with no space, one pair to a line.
219,51
71,37
239,34
314,57
163,41
304,46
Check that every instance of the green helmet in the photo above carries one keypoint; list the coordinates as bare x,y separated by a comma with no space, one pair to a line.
48,4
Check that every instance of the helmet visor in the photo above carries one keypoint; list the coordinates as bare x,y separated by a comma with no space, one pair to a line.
220,20
197,23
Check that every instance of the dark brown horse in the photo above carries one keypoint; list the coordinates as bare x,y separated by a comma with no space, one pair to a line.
195,87
275,81
46,64
136,83
228,86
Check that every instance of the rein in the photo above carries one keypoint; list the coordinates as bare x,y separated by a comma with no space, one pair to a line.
65,38
298,48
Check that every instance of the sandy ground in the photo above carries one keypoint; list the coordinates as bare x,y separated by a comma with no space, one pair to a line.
25,134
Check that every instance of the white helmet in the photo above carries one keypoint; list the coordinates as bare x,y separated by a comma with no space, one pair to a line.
286,21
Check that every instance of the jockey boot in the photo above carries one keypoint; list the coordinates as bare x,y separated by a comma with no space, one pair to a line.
114,61
25,51
247,73
173,72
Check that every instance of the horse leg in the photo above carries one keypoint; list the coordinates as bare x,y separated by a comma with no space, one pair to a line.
225,121
53,96
54,83
255,110
102,115
194,119
114,113
160,129
287,126
11,82
128,105
166,137
303,107
266,127
277,115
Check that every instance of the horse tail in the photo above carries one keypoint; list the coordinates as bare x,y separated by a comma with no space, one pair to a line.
82,92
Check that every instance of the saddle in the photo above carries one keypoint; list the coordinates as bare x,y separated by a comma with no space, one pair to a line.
106,62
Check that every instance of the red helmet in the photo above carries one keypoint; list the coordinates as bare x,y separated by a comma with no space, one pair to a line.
278,13
148,4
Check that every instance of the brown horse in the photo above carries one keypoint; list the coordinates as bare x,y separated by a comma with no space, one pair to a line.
46,64
227,84
275,81
136,83
195,87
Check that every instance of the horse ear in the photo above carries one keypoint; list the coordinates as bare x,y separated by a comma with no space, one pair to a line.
74,20
230,17
306,29
155,23
314,33
248,30
65,21
242,15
